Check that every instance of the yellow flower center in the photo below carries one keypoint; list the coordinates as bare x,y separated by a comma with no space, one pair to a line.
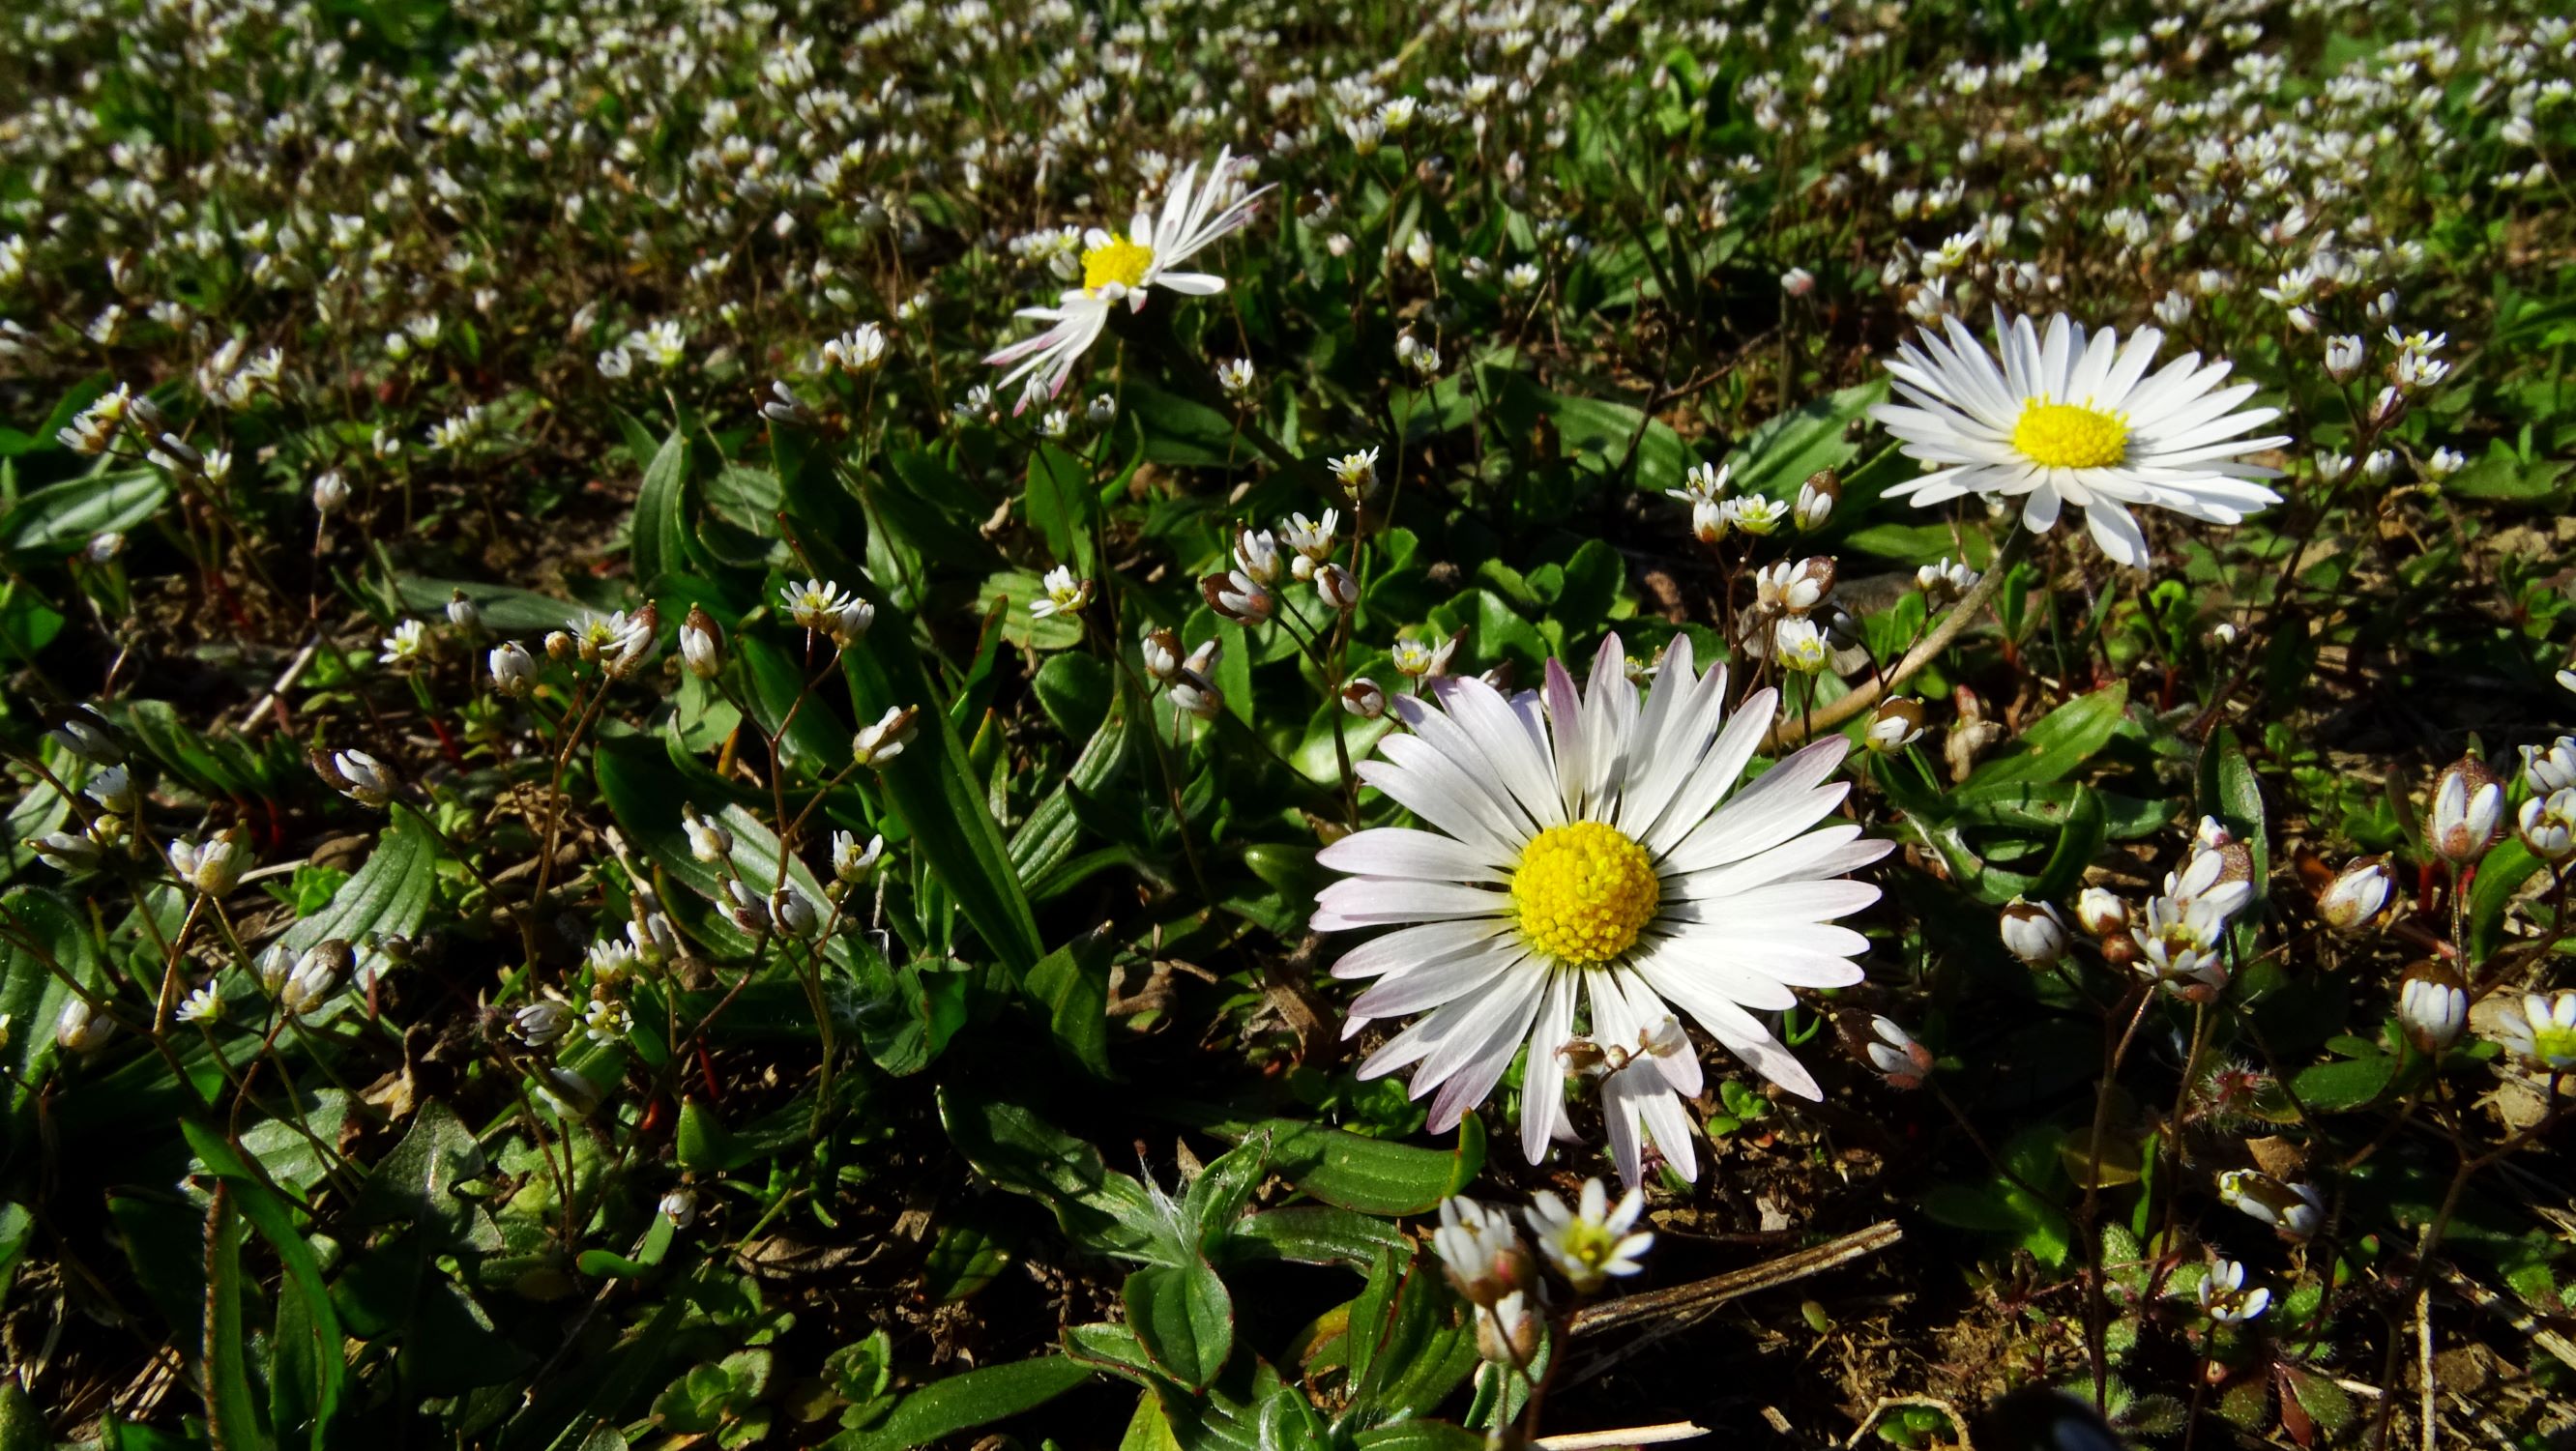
1583,891
2070,436
1116,260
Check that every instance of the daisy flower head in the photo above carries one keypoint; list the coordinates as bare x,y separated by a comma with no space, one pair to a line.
1589,850
1197,212
2064,417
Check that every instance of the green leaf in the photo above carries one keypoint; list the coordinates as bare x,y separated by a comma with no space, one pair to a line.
1071,987
505,610
661,530
2500,877
61,519
33,993
936,793
2344,1083
603,1264
1063,507
309,1365
1101,1210
2230,792
1372,1176
1314,1234
964,1402
2059,741
390,895
1183,1317
1783,451
232,1417
22,1426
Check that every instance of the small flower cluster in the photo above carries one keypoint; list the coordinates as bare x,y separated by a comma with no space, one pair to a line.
1489,1263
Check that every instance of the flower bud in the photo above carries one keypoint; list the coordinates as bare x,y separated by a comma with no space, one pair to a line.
2297,1211
748,909
1197,695
1337,587
2101,912
793,912
85,735
354,774
2358,894
680,1206
1162,655
881,742
1507,1333
2432,1005
1364,699
2468,809
701,644
316,973
514,670
330,491
213,868
560,647
2034,932
463,613
1897,723
541,1023
82,1029
708,842
1904,1063
1816,499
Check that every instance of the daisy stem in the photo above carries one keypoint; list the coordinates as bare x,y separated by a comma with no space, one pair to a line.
1869,692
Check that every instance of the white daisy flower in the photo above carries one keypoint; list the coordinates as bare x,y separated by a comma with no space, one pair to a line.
1585,846
2066,420
1119,269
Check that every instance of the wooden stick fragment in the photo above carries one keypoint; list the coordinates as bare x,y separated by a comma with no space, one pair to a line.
1701,1296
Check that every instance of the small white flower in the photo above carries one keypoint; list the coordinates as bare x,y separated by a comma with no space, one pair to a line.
204,1007
112,789
1235,376
316,974
2225,1299
607,1021
405,644
1799,646
1759,516
67,851
2542,1030
1064,594
1357,471
1592,1242
852,862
